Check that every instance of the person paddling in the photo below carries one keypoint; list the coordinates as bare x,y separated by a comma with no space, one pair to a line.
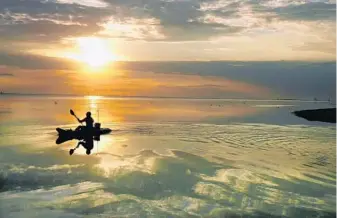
86,138
89,121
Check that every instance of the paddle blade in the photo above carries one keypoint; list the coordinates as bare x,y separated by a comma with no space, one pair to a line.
71,151
72,112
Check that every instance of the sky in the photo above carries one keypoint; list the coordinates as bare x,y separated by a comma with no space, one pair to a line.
174,29
46,44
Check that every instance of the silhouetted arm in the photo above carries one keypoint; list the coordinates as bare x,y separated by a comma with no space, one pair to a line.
81,121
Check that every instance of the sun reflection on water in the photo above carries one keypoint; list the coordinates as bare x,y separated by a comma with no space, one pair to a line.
93,101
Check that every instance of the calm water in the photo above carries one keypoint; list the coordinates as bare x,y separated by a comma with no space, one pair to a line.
167,158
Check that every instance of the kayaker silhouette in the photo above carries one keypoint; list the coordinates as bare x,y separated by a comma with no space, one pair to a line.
86,138
89,121
88,141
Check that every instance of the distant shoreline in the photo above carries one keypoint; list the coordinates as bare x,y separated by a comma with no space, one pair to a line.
327,115
154,97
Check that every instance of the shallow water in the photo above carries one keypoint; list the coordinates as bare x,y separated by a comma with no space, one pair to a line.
167,158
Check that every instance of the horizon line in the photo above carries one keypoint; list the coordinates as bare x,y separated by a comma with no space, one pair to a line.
158,97
247,61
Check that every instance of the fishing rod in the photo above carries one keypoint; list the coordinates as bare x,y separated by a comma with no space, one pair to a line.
98,122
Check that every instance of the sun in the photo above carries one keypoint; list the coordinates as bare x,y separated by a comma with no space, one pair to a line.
93,51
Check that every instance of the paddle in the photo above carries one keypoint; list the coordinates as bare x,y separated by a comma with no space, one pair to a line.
72,113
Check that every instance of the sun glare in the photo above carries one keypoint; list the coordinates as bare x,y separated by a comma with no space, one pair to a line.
93,51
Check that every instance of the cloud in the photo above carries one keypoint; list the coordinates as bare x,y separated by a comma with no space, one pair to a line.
88,3
43,31
324,47
48,21
300,10
149,81
178,20
6,74
179,79
244,17
289,3
27,25
130,28
29,61
175,20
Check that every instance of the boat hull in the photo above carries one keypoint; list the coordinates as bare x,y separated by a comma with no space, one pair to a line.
69,134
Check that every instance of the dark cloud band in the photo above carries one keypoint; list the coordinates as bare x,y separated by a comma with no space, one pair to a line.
50,21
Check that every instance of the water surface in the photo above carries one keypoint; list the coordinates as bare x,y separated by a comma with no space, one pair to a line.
167,158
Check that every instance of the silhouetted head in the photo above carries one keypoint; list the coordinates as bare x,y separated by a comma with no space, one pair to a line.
88,114
88,151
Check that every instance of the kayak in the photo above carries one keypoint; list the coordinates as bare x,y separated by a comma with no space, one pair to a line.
69,134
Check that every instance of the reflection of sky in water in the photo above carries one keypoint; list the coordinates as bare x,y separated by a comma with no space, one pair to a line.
166,158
